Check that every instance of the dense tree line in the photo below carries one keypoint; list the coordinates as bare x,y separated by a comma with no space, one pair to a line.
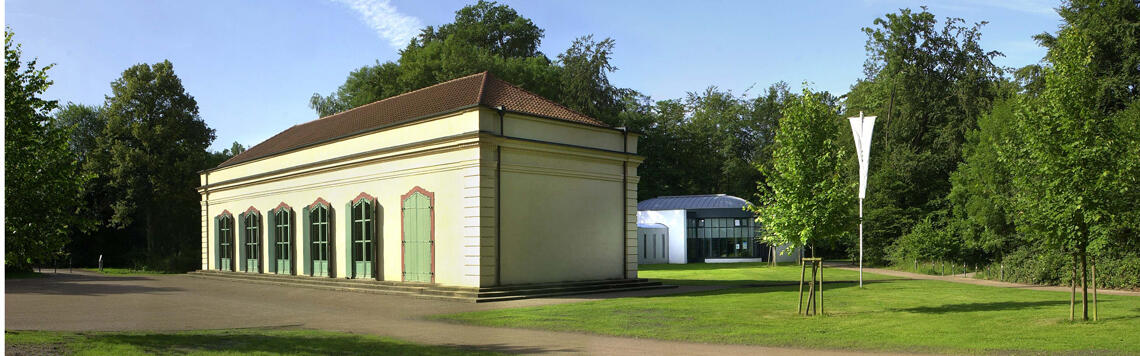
1048,180
1036,169
116,180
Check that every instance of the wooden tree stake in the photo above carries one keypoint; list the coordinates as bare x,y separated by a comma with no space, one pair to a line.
1096,309
800,308
1073,286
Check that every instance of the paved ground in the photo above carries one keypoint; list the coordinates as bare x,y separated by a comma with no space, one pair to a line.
957,278
86,301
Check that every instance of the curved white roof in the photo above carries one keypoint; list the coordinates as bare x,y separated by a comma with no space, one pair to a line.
689,202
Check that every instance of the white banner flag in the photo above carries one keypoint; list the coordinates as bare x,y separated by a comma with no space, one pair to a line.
862,127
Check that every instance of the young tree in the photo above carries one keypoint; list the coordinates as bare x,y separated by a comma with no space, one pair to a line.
154,144
1067,169
42,178
808,198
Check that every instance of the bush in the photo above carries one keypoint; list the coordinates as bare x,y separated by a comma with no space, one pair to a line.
1051,267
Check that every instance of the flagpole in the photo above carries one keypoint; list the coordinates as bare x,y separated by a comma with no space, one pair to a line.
861,128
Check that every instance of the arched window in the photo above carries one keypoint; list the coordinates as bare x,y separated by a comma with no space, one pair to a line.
224,242
281,245
361,248
318,244
418,226
250,259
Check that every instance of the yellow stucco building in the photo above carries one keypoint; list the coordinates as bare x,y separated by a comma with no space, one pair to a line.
471,183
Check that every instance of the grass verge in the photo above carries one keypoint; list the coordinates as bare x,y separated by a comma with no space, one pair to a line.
886,315
742,274
217,342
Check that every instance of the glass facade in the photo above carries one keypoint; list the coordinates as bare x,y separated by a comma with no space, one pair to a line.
722,238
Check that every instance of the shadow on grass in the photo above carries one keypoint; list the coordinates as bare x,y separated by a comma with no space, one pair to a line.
292,343
737,283
708,266
981,307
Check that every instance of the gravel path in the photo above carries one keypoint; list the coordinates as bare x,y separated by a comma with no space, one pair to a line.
957,278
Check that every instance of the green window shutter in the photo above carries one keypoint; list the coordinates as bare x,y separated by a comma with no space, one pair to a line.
347,247
331,261
217,244
408,212
262,237
292,241
240,245
377,246
306,243
271,239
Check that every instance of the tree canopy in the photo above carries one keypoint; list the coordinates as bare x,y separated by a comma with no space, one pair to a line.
808,199
42,181
150,151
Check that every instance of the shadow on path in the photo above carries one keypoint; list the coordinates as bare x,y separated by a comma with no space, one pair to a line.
83,285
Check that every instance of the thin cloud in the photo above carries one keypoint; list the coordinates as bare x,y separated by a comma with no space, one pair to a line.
1040,7
386,20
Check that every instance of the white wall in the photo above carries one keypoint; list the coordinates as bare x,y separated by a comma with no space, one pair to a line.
786,254
675,220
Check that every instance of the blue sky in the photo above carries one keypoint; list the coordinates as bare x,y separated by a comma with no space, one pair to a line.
253,64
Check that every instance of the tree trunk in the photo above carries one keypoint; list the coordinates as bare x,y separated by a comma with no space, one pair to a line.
1084,283
149,232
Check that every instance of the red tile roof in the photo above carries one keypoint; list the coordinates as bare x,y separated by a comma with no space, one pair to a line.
482,89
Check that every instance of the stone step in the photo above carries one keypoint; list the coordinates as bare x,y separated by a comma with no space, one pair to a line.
365,284
559,284
565,289
562,294
345,288
432,291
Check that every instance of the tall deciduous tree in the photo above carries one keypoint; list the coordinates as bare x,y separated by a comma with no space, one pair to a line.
928,82
981,196
153,145
488,36
42,178
808,200
1067,168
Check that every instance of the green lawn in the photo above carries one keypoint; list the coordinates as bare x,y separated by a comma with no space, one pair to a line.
743,274
120,271
886,315
217,342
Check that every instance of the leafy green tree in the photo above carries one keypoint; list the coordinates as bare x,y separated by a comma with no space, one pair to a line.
42,178
1066,170
486,24
585,85
981,196
1113,41
491,37
928,83
87,123
152,147
808,200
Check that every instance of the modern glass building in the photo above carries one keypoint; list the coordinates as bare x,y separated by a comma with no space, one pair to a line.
707,228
